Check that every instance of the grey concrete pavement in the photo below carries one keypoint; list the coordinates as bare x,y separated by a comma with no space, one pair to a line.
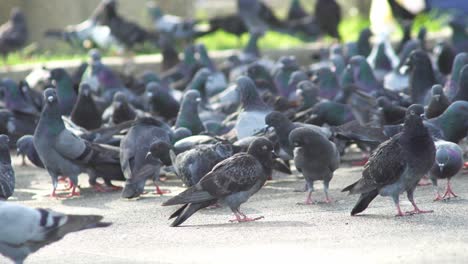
289,232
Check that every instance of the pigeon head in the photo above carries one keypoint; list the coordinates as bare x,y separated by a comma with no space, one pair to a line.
85,89
262,149
276,119
437,91
159,150
192,97
415,110
419,58
24,144
152,89
119,99
17,16
303,136
257,71
50,96
249,96
361,69
309,92
289,62
408,47
94,55
460,60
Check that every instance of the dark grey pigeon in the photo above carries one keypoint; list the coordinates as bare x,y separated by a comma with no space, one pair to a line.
283,127
25,230
448,162
25,147
65,154
233,181
315,157
397,165
120,110
85,112
160,101
421,76
188,114
191,165
13,34
438,102
7,175
136,165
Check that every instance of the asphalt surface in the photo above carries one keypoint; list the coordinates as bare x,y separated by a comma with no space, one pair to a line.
289,232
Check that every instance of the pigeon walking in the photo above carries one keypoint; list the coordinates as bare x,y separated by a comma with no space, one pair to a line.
315,157
448,162
64,154
233,181
397,165
25,230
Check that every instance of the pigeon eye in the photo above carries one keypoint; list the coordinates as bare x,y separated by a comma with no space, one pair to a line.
412,113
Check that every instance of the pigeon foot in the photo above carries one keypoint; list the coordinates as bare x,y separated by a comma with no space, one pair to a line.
161,191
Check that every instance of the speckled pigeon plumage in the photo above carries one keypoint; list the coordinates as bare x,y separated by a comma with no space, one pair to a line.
7,174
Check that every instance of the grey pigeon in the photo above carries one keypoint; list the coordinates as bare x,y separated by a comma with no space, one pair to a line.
25,230
315,157
233,181
252,113
283,127
64,154
191,165
120,110
25,147
13,34
438,102
136,165
448,162
85,112
188,114
397,165
7,175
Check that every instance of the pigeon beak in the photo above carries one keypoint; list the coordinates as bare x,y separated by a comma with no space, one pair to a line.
404,69
50,99
441,167
423,116
198,100
149,94
148,155
437,97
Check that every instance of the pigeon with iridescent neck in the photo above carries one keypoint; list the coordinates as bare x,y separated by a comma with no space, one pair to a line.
188,113
327,82
438,102
453,82
65,92
448,162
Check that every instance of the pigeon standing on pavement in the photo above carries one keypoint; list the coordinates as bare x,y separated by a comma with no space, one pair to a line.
315,157
136,165
64,154
233,181
13,34
85,112
448,162
397,165
7,175
25,230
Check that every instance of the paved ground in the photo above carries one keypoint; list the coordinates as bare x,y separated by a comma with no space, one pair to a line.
289,232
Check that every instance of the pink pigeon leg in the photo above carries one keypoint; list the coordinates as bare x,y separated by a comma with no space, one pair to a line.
449,192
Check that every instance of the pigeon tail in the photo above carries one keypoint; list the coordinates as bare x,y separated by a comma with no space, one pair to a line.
188,210
364,200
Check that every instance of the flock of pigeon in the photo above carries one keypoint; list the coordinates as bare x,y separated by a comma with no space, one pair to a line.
223,129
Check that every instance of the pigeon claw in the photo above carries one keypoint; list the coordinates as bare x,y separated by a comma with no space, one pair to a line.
160,191
419,211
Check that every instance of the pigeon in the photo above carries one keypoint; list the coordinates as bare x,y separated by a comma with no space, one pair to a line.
233,181
14,99
459,38
13,34
362,46
251,117
328,15
462,91
392,113
250,13
160,101
327,82
308,93
120,110
283,127
448,162
315,157
452,124
330,113
398,80
85,112
188,114
32,96
397,165
25,230
438,102
452,84
229,23
422,76
25,147
64,154
126,32
285,67
444,56
191,165
136,165
363,75
7,174
66,94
